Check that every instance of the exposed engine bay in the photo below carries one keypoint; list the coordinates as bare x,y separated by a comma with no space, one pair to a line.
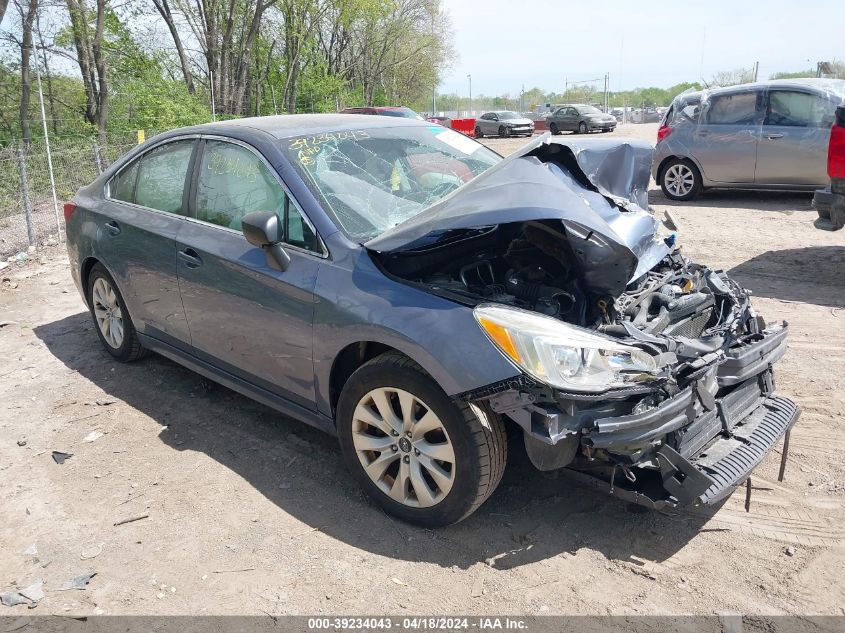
663,392
677,307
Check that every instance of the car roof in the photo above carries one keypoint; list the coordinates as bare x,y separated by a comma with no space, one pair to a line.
290,125
830,85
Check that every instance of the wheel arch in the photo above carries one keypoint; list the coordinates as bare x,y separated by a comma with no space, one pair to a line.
350,358
672,157
85,272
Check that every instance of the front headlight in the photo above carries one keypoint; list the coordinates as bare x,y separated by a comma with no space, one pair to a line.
563,355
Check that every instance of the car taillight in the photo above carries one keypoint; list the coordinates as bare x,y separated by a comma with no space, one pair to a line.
836,152
69,208
662,132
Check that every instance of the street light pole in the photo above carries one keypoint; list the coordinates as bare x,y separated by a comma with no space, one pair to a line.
469,113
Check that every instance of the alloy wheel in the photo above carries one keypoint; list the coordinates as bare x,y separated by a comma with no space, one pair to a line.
403,447
679,180
107,312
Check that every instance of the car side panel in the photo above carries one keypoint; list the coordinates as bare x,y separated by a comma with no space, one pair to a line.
249,319
357,302
141,258
792,156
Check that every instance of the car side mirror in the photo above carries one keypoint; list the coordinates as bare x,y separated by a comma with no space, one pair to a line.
263,229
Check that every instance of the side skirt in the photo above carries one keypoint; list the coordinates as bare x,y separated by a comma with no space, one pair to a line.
286,407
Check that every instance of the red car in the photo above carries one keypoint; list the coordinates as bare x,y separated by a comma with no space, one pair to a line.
400,111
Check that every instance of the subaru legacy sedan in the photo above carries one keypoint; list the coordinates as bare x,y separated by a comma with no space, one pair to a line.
403,287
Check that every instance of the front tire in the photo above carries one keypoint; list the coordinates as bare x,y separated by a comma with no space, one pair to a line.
554,129
111,318
421,456
503,131
680,180
582,128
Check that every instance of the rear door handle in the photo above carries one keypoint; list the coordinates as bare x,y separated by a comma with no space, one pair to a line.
191,258
112,227
774,135
702,133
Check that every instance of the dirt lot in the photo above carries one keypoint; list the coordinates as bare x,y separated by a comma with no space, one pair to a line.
251,513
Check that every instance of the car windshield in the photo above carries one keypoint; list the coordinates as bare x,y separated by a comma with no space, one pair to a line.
405,113
588,109
504,116
370,180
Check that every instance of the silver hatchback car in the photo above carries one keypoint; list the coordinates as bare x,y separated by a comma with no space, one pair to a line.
767,135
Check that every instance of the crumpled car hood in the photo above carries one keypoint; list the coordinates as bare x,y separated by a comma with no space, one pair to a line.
597,189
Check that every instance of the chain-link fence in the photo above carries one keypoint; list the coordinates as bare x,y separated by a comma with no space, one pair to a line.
35,183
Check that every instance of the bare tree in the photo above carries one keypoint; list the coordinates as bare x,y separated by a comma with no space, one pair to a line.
163,7
227,31
91,60
28,10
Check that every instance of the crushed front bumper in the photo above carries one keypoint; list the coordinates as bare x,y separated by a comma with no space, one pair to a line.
693,448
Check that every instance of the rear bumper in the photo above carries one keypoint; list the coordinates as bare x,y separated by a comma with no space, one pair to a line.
830,205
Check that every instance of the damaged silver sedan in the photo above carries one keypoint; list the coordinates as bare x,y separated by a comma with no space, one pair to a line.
407,289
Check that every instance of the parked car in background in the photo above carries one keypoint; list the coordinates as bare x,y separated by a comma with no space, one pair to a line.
405,288
618,114
442,120
645,115
581,119
766,135
397,111
503,123
830,201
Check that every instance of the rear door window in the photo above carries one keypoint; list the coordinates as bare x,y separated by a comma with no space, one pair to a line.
733,109
161,177
682,112
123,184
798,109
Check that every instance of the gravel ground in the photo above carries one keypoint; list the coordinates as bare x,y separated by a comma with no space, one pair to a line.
249,513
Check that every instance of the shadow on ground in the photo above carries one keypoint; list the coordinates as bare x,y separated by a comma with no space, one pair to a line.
783,201
532,516
809,275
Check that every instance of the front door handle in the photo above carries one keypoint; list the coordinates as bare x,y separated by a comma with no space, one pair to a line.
112,227
702,133
774,135
191,258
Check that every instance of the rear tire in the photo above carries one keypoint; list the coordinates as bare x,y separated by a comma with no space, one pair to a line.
680,180
111,318
398,432
503,131
478,133
582,128
554,129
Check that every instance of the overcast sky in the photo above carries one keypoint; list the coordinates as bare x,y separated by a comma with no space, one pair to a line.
507,43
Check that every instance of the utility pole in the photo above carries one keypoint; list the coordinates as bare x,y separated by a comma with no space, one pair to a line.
469,113
756,68
606,88
49,154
